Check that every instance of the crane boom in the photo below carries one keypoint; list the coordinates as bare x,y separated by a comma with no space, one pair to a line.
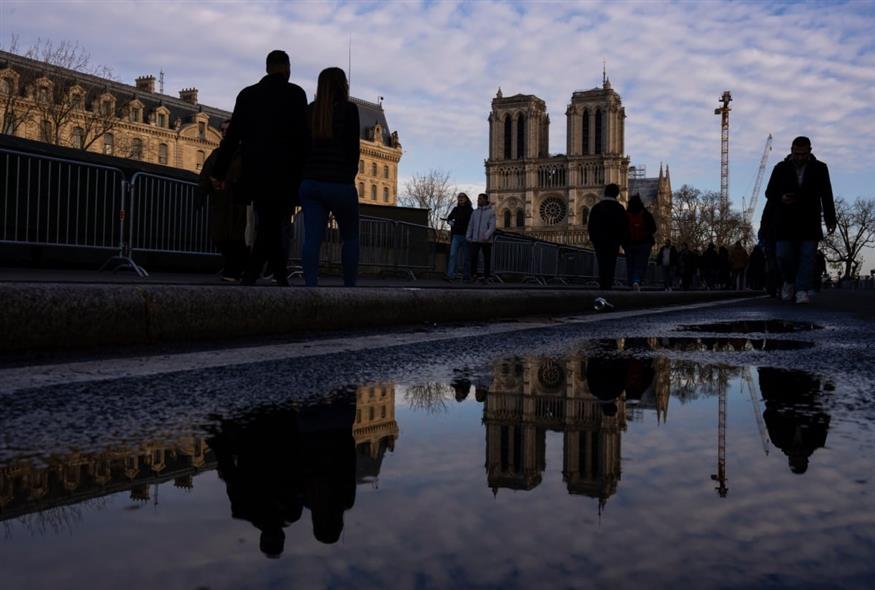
754,195
723,111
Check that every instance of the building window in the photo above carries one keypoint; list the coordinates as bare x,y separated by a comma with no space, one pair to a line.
200,160
108,144
9,124
385,172
585,133
77,101
507,218
373,192
137,149
508,130
373,169
362,166
42,94
134,115
521,137
598,131
162,120
520,218
201,130
361,190
162,154
385,195
77,138
584,215
105,108
5,86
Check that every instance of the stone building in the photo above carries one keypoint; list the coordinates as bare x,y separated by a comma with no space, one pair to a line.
549,196
47,103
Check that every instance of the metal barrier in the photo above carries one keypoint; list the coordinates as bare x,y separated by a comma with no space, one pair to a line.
384,244
58,202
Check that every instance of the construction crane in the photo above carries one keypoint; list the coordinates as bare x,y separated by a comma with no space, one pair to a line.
720,476
749,209
723,111
757,409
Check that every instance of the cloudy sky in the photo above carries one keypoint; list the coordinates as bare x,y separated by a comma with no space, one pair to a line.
793,68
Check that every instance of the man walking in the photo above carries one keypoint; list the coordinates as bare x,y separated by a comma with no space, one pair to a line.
800,192
667,260
479,235
269,126
607,230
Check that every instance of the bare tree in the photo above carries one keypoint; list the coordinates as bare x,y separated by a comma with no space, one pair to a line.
55,102
431,191
699,218
855,230
431,397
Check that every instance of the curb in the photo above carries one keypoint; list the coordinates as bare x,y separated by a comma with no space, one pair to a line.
44,316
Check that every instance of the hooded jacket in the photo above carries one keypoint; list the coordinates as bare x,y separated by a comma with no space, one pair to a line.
482,224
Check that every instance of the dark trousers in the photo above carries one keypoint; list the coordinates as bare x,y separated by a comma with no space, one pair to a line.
268,241
317,200
606,255
234,257
475,248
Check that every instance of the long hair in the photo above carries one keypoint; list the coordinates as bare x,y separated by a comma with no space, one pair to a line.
331,89
636,205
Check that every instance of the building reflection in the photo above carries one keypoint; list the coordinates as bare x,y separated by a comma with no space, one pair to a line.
587,398
274,462
74,477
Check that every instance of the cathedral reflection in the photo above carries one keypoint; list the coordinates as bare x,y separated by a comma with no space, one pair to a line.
589,399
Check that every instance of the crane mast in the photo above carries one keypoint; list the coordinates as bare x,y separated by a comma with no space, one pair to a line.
723,111
754,195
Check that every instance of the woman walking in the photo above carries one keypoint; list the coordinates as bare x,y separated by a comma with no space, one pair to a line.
642,227
328,178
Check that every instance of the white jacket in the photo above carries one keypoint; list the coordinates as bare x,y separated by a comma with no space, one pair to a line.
482,225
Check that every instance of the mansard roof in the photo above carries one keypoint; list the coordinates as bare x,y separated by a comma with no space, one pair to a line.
371,113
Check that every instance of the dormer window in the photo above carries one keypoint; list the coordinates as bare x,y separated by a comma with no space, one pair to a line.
5,86
201,130
135,114
42,94
162,120
105,107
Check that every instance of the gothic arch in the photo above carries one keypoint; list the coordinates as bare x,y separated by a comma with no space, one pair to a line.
508,136
521,136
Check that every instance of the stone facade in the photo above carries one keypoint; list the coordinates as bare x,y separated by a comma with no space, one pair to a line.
65,107
550,196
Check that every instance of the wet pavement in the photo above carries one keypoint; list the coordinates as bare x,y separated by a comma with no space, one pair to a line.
566,452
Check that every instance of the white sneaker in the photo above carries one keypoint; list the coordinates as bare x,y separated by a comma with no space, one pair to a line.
802,297
636,287
787,292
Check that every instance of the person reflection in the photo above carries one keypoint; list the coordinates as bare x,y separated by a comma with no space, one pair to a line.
276,461
606,378
640,373
795,417
461,387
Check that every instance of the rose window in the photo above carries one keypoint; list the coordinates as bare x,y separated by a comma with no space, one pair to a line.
551,375
553,210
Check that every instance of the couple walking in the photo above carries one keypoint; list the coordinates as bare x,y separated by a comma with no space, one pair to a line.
295,154
470,230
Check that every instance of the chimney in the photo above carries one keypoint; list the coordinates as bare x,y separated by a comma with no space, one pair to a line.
189,95
146,84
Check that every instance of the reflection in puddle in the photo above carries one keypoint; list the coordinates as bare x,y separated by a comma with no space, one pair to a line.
752,327
696,344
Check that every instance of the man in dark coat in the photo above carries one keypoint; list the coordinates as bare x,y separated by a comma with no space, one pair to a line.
269,126
800,191
607,230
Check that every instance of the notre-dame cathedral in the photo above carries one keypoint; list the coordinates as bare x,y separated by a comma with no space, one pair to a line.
550,196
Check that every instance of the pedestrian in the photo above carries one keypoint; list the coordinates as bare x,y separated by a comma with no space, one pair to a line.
710,266
608,230
667,259
227,213
479,235
458,219
642,227
686,266
756,269
269,128
738,260
819,270
800,190
766,237
328,184
723,267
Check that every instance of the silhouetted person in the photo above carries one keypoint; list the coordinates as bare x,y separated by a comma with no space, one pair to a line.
642,228
667,260
756,269
458,219
819,270
481,228
686,266
269,127
275,461
640,373
723,267
710,266
606,379
801,193
329,176
795,417
608,230
738,261
227,213
462,387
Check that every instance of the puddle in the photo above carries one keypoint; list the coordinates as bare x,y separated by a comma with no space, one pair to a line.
703,344
577,462
752,327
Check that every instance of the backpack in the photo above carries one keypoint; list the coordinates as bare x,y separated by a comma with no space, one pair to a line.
637,227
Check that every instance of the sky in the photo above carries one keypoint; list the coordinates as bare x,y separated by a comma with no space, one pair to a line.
794,68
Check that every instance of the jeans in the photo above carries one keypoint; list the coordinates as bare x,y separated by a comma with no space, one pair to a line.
458,257
268,241
637,256
317,200
796,262
487,257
